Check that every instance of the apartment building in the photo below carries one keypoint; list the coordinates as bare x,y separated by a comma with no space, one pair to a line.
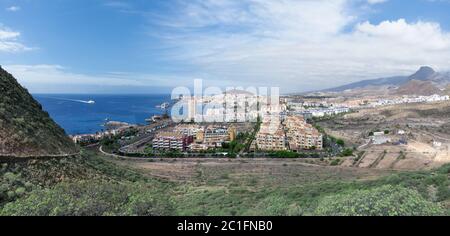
188,129
271,137
197,131
301,135
172,141
214,135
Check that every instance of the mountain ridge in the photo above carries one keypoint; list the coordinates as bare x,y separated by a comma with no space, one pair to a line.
425,73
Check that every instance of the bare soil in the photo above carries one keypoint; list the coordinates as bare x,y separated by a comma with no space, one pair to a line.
282,172
425,125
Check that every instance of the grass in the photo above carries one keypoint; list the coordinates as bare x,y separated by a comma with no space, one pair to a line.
242,199
215,190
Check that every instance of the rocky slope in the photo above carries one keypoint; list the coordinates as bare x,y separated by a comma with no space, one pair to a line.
25,129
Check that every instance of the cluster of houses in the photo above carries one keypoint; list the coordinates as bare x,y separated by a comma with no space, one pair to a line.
310,109
93,138
231,106
403,100
380,137
194,137
291,133
322,112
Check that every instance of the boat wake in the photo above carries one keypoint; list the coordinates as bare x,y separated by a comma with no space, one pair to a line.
75,100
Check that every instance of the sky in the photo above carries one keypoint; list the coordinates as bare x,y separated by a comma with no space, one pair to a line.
143,46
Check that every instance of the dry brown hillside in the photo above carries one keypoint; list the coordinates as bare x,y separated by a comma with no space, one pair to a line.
447,90
25,129
416,87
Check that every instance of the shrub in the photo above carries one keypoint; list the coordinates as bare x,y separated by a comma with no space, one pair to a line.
90,199
335,162
386,200
347,152
284,154
276,205
340,142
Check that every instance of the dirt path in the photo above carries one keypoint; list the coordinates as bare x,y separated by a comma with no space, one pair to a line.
18,158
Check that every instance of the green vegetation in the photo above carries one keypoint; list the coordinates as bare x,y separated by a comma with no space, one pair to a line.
170,154
235,146
111,143
253,134
92,185
340,142
12,185
24,127
86,185
291,154
347,152
382,201
284,154
332,145
335,162
85,198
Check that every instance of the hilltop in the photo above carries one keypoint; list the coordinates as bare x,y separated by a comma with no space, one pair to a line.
433,82
25,129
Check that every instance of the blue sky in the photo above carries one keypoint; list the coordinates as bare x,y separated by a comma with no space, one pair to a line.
113,46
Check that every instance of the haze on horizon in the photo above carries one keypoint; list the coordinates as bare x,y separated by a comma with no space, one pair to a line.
113,46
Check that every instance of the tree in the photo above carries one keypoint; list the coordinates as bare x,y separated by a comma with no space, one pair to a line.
340,142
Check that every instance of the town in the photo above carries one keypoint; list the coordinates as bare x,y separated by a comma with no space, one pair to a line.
239,124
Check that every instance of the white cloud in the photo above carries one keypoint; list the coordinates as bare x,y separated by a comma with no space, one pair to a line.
6,34
48,74
299,45
376,1
9,41
58,79
426,35
13,8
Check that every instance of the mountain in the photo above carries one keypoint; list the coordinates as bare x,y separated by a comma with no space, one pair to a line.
390,81
418,87
425,73
25,129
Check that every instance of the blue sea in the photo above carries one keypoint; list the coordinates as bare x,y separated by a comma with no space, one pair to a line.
76,116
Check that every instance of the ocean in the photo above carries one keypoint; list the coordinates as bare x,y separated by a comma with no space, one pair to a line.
76,116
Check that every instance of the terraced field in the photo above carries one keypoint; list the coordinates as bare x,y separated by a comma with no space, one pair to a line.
424,126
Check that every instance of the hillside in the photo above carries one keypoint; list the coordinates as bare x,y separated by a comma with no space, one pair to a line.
95,185
25,129
447,90
395,81
417,87
425,73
